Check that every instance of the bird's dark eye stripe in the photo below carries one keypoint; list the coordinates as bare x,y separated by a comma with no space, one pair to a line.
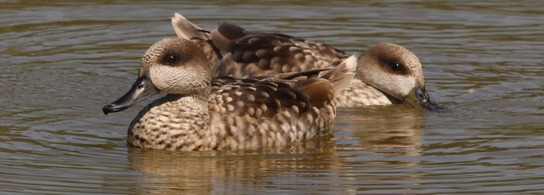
171,59
396,67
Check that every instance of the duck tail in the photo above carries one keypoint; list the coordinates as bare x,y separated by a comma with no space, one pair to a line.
188,30
341,75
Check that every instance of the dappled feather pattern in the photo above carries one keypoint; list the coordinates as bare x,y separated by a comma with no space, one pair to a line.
258,98
386,72
273,113
249,54
212,53
201,113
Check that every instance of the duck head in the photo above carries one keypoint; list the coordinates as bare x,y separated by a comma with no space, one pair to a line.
397,72
170,66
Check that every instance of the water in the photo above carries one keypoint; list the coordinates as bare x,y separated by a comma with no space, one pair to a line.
61,62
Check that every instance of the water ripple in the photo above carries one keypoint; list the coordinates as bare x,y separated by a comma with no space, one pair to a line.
62,61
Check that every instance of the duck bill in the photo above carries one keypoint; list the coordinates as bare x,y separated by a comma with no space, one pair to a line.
140,90
419,98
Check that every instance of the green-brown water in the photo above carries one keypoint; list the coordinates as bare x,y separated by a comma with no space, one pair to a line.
60,62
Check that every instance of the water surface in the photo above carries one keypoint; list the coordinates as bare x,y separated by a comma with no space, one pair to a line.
61,62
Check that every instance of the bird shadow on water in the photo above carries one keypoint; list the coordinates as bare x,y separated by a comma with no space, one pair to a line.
381,127
362,138
235,171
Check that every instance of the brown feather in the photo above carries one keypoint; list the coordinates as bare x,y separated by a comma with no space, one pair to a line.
249,53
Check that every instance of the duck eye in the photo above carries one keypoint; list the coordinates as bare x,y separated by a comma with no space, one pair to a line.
396,67
171,59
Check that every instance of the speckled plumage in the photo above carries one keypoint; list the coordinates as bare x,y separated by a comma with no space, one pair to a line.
385,75
200,113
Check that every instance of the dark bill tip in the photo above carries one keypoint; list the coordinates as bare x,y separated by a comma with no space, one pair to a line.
432,106
106,109
112,108
419,98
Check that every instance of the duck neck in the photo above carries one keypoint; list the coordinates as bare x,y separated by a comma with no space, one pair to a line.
176,122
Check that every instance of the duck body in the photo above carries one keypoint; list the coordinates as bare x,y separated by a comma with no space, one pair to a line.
201,113
386,73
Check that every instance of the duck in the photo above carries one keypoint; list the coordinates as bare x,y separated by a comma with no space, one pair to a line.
386,74
199,113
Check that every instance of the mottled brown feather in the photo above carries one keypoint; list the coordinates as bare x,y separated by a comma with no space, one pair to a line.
250,53
200,113
269,52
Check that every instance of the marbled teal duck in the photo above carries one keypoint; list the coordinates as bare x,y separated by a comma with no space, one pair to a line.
386,73
201,113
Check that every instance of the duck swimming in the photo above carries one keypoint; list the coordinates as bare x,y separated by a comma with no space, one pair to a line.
386,73
201,113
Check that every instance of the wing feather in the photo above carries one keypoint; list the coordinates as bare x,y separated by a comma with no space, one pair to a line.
269,53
